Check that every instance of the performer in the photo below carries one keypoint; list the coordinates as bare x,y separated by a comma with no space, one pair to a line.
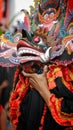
43,101
42,97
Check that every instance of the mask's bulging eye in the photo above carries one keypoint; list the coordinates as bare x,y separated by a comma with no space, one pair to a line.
36,39
46,16
51,15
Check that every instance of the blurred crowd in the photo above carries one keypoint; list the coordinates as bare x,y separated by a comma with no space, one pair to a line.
6,79
6,83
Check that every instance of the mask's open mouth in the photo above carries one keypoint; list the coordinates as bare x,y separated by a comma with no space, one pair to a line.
24,51
27,52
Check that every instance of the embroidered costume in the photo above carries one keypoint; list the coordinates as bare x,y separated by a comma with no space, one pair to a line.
52,44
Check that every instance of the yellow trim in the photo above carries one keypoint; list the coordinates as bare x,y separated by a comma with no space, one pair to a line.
70,25
61,114
71,75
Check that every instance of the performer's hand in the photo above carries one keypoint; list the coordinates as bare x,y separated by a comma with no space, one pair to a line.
39,82
4,84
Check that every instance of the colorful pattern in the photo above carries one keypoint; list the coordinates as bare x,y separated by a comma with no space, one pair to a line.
50,42
54,28
8,45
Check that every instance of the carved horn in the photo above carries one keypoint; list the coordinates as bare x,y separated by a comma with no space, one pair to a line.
40,9
45,57
47,53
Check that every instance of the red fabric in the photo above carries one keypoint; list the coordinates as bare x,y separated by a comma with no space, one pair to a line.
16,98
1,108
70,5
59,116
66,73
69,9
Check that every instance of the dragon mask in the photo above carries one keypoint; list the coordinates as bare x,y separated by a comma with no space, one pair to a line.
36,49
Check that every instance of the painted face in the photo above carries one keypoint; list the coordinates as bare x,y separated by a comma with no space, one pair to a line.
28,52
49,15
30,55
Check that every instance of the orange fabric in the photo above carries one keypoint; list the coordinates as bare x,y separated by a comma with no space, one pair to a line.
1,10
16,98
65,73
59,116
